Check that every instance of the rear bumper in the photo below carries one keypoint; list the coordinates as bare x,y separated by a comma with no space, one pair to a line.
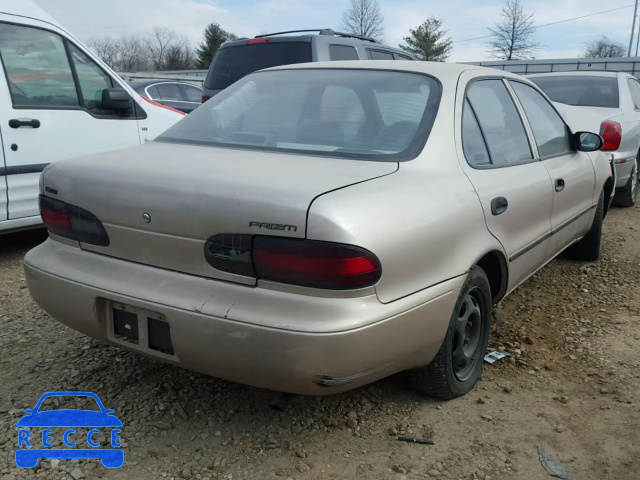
256,336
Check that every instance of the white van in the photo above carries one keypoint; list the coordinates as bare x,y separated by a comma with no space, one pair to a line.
57,101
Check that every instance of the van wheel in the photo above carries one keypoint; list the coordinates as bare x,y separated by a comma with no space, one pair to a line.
627,195
457,366
588,249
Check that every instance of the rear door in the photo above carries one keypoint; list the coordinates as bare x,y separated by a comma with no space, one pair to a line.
571,172
514,188
50,109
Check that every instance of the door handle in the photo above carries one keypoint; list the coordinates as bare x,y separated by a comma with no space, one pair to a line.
24,122
499,205
559,185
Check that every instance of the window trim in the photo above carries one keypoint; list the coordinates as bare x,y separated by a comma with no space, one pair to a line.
526,119
138,111
533,152
167,100
484,139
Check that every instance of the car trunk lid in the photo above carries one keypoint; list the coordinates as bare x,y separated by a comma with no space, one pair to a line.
161,202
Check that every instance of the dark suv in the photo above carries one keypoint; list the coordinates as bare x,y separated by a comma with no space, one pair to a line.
236,59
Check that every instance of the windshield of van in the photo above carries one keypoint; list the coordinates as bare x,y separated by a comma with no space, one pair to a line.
232,63
579,90
362,114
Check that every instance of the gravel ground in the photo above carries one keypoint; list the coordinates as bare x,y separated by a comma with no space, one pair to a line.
571,386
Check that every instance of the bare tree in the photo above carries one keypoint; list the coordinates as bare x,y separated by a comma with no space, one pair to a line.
133,55
106,48
512,38
604,48
179,56
363,17
157,43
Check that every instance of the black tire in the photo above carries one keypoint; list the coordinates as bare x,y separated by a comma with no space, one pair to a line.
626,196
446,378
588,249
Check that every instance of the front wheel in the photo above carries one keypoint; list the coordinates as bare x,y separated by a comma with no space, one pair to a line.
457,366
588,249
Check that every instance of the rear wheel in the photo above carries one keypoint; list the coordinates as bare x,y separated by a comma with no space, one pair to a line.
588,249
626,197
457,366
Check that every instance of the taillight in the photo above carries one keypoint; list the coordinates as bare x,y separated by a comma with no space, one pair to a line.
307,263
72,222
611,132
205,98
258,40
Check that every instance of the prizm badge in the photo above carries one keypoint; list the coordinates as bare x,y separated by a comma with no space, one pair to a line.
273,226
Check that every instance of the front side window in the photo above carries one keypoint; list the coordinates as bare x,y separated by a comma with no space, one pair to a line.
549,130
342,52
500,122
91,78
37,67
359,114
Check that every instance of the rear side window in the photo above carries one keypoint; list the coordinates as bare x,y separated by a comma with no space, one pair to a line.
475,150
169,91
399,56
37,66
634,88
549,130
500,122
379,55
347,113
152,91
192,94
232,63
581,90
342,52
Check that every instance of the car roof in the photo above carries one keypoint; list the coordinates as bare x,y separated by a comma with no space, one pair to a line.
577,74
28,9
440,70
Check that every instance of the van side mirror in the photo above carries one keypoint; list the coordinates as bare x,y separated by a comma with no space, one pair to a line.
588,142
116,99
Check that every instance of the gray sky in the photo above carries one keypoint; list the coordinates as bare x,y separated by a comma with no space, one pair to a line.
463,18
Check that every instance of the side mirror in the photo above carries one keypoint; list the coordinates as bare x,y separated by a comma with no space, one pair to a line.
588,142
116,99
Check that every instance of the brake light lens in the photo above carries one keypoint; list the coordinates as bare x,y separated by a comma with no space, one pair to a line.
258,40
611,133
205,98
307,263
315,264
72,222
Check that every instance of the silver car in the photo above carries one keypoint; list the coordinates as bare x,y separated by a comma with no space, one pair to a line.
317,227
609,103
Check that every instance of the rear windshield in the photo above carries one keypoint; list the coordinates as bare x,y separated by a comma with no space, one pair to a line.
583,91
232,63
361,114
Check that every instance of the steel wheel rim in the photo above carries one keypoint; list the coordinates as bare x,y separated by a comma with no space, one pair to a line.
468,333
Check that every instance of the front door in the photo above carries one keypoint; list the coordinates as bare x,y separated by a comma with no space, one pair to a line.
513,187
572,173
50,110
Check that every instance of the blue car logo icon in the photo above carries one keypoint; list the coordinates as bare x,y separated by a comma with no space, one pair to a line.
27,456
